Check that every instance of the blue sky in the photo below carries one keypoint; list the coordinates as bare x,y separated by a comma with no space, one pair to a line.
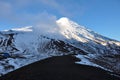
101,16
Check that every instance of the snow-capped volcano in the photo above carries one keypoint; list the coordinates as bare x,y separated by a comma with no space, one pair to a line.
73,30
29,44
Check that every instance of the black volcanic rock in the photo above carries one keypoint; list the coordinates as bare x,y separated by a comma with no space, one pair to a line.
59,68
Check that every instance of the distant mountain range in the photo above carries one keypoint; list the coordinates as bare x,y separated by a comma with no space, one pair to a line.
22,46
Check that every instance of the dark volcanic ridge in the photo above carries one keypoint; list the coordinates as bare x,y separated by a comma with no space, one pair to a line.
59,68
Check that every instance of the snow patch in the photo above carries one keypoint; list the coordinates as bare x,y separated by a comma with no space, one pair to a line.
25,29
19,62
85,61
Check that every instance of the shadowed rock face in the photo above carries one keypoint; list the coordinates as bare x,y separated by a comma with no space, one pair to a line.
58,68
7,43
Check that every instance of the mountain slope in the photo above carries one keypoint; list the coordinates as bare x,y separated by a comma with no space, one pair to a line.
29,44
59,68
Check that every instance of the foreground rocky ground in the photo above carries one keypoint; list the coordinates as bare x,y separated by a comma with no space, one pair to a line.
58,68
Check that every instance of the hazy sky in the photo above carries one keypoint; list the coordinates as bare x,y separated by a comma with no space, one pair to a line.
101,16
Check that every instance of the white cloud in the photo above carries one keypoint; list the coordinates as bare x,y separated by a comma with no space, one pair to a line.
17,11
46,24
